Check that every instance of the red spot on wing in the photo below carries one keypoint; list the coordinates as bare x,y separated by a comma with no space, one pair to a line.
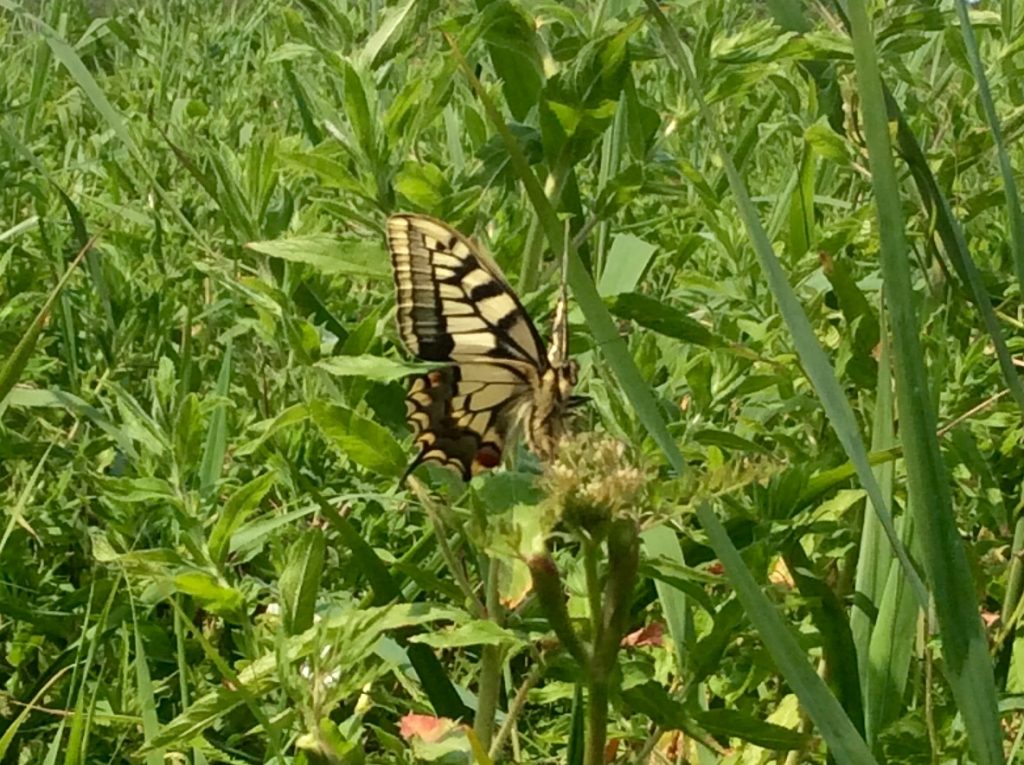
487,457
434,377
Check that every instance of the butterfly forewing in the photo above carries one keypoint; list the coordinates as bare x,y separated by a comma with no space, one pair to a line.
455,305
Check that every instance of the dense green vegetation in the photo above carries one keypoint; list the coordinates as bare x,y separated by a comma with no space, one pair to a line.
789,527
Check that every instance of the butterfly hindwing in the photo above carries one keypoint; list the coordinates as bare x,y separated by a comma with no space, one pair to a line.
461,415
454,304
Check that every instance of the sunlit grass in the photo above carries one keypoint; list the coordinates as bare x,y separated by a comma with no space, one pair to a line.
794,257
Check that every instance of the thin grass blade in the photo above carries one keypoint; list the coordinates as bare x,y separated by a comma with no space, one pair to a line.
14,365
1014,215
964,646
216,435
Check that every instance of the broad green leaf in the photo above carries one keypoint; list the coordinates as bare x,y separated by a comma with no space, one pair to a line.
673,572
736,724
453,745
330,255
654,701
217,430
827,143
626,262
234,513
293,415
300,581
801,206
476,632
726,440
387,33
662,318
365,442
143,489
515,55
422,183
376,368
58,399
215,596
291,51
357,109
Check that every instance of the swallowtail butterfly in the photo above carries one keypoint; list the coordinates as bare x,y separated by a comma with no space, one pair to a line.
455,306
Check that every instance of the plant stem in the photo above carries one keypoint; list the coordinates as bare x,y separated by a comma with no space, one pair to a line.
597,717
515,708
590,556
487,694
596,671
547,584
489,685
441,535
612,618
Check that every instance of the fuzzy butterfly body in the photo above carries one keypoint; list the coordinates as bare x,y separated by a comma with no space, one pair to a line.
456,307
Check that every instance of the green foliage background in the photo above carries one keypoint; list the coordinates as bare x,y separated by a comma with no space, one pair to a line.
201,416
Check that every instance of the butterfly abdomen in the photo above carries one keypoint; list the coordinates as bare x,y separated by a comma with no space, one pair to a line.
546,426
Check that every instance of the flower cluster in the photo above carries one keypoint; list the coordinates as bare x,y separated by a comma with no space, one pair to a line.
592,481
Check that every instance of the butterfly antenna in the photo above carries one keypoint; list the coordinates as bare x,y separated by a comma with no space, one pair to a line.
560,332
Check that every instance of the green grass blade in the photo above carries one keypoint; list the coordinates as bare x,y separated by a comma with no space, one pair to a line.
950,231
14,364
40,69
17,511
964,646
146,692
81,75
7,737
884,639
662,541
890,650
952,235
217,433
1014,214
